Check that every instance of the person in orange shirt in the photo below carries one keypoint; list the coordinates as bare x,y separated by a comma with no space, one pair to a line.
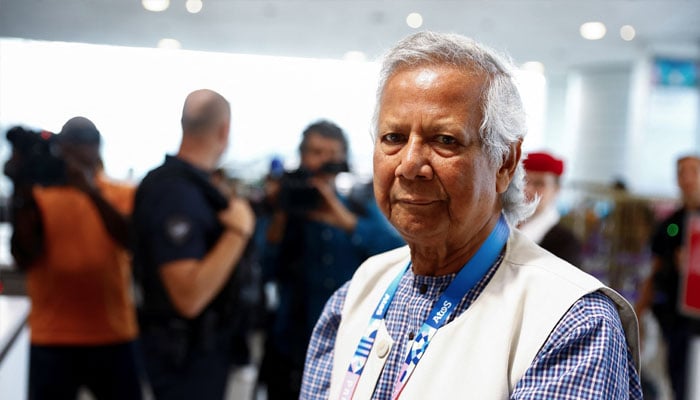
71,237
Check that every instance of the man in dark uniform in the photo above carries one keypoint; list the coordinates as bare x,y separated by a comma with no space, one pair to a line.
189,238
543,172
661,290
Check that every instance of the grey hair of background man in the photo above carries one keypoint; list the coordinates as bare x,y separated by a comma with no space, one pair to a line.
504,116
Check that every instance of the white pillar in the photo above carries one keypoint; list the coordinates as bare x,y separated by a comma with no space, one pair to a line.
597,107
557,135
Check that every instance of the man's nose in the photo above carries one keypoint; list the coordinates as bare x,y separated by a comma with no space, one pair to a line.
415,160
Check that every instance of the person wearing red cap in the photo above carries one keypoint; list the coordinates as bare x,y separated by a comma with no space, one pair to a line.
543,172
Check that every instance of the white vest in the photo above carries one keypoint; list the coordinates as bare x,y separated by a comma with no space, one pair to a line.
485,351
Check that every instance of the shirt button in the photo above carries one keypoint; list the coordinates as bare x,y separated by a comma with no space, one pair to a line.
327,259
383,348
423,289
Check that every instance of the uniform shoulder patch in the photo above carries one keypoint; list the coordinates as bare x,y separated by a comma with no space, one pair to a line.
178,228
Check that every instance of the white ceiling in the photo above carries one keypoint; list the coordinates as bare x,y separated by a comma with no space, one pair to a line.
542,30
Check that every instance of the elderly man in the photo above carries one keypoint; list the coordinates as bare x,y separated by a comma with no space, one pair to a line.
470,308
544,227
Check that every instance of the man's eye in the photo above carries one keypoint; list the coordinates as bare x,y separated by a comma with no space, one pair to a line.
447,140
392,138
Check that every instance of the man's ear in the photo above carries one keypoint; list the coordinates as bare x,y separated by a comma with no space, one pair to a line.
508,167
223,133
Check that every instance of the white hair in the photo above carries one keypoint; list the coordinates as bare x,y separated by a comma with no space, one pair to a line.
503,122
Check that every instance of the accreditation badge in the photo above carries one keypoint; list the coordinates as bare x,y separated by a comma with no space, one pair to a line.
690,283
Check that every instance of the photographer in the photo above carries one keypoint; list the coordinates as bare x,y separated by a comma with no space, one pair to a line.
70,235
316,238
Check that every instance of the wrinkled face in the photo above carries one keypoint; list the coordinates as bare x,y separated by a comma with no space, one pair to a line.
688,174
432,179
320,150
543,184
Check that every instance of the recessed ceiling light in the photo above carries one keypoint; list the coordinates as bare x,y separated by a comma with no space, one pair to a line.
627,32
168,43
155,5
414,20
194,6
593,30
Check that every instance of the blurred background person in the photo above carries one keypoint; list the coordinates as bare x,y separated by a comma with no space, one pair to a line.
660,292
316,238
248,285
71,237
247,288
542,180
189,239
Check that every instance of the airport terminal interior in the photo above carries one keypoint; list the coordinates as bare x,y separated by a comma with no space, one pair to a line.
610,87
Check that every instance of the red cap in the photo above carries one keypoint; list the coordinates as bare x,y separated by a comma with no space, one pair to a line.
543,162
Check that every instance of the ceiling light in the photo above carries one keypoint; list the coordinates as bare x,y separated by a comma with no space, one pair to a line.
155,5
194,6
168,43
627,32
592,30
414,20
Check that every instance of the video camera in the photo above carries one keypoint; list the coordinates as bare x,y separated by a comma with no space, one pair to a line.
35,158
298,195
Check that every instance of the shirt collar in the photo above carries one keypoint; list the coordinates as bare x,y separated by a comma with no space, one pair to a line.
173,160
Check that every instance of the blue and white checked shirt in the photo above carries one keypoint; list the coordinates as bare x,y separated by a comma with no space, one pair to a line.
585,357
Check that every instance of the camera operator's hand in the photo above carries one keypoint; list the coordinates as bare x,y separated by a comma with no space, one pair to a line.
27,242
238,217
333,211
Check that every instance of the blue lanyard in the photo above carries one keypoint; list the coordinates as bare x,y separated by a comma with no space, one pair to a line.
359,359
468,276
